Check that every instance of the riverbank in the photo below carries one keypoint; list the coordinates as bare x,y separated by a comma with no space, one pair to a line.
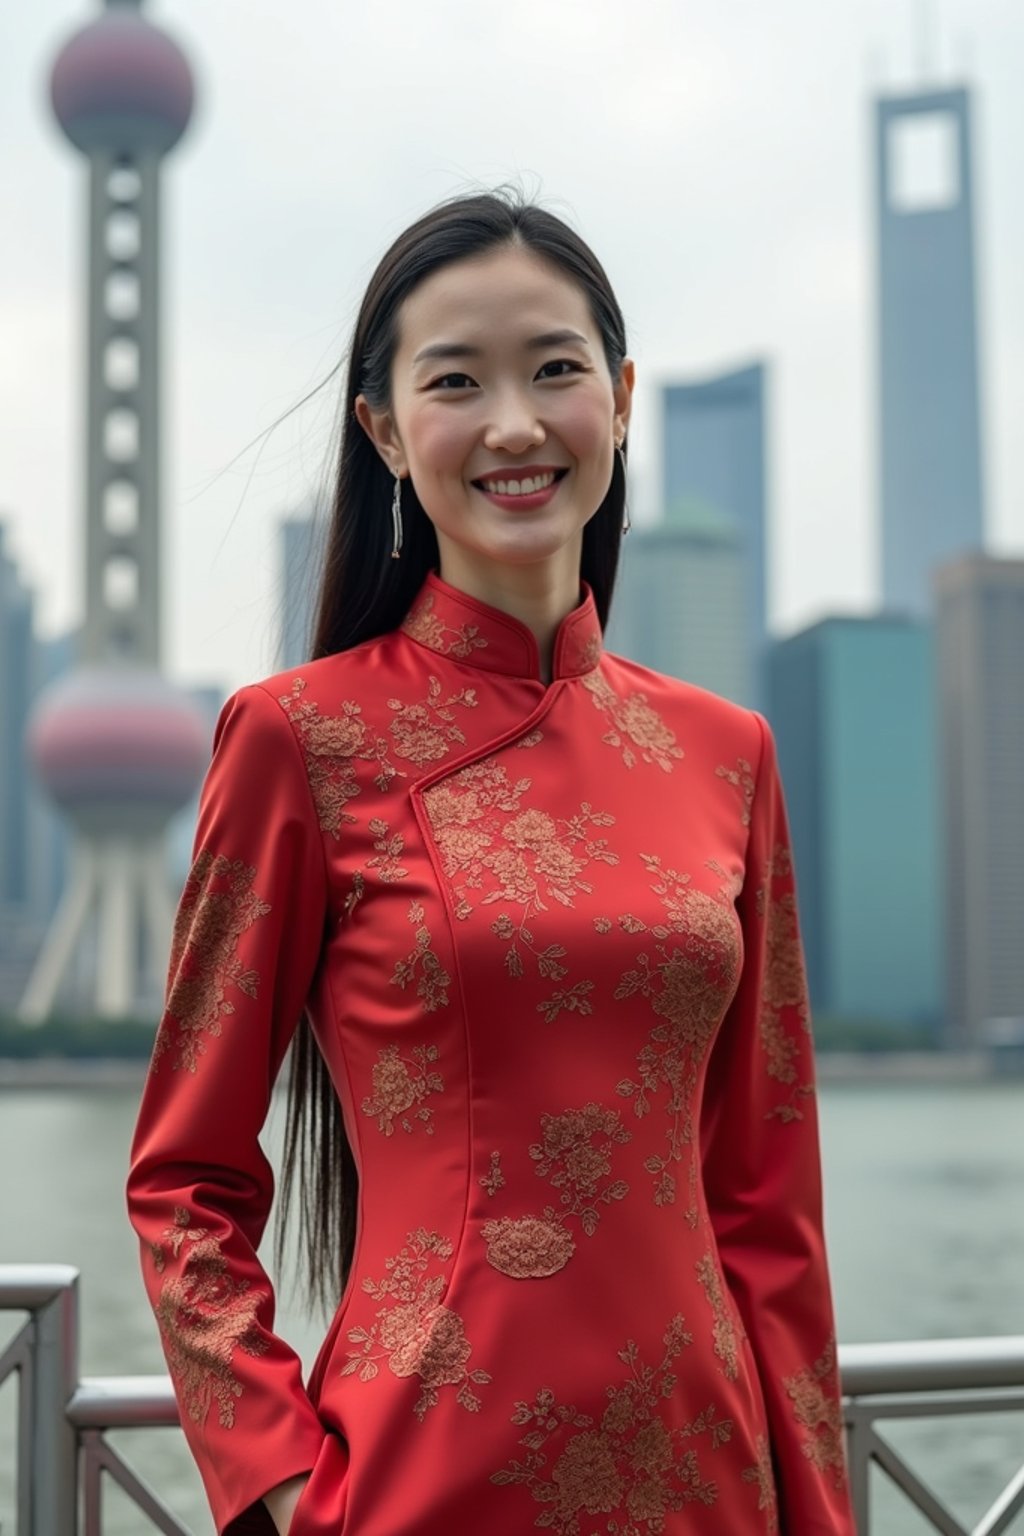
908,1067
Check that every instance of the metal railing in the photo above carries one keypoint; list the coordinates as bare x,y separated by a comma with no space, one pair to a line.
63,1454
926,1380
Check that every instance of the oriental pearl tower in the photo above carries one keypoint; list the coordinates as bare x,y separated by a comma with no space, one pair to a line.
118,747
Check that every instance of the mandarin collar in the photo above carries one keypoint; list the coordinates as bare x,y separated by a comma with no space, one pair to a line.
448,621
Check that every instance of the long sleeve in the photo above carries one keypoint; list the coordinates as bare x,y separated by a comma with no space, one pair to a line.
246,946
763,1181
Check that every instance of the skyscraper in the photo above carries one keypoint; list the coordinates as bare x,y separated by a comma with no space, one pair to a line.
714,455
16,666
680,604
852,704
33,840
980,635
929,431
302,537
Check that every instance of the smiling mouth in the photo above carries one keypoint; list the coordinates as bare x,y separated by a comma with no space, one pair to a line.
526,485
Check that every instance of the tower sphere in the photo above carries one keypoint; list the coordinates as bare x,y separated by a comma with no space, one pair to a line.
121,84
119,745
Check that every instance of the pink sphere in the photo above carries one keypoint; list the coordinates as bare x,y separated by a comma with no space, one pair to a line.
118,745
122,84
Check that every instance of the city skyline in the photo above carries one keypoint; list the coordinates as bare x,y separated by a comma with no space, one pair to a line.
265,268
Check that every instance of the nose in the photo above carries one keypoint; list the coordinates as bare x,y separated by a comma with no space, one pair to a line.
514,424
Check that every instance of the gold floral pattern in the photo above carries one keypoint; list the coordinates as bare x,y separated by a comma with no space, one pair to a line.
724,1332
217,906
629,1466
424,733
742,779
493,1179
634,724
356,893
433,980
204,1317
583,654
399,1084
783,988
575,999
528,1247
689,985
415,1333
490,843
388,848
332,745
426,626
762,1475
815,1395
575,1155
386,863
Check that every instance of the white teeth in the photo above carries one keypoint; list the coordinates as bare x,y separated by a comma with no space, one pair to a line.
527,487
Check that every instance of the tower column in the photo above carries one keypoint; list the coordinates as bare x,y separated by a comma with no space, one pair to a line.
119,749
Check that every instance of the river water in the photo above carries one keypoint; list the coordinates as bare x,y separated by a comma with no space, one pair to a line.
925,1220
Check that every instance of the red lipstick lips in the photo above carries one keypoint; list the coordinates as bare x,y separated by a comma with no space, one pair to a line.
522,488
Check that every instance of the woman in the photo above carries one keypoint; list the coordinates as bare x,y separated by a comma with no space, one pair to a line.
535,908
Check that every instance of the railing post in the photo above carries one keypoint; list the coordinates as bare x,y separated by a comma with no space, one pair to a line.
858,1458
54,1503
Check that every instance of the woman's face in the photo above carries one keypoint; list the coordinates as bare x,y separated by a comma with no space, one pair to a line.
503,412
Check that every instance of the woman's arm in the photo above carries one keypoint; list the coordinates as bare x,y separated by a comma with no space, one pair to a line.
763,1181
246,945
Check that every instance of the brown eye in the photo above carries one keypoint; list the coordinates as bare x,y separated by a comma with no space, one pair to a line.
452,381
559,368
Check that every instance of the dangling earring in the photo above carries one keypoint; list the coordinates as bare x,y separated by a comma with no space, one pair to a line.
396,519
627,521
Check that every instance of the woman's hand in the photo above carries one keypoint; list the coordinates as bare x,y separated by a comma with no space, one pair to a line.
281,1501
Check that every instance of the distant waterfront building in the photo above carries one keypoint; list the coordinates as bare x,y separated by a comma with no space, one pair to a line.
48,834
209,699
714,454
680,603
33,840
929,428
980,635
852,704
302,536
16,665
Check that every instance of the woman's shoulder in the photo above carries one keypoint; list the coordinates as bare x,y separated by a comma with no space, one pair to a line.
328,677
289,700
687,708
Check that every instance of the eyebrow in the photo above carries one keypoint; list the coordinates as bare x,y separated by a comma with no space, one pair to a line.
454,349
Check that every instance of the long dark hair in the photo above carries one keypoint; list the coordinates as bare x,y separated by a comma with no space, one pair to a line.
364,593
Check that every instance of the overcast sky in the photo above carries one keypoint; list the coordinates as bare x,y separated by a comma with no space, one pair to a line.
716,154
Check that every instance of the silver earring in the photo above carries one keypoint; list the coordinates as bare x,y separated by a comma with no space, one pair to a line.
396,519
627,521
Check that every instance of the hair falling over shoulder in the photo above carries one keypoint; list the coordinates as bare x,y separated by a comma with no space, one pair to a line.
364,593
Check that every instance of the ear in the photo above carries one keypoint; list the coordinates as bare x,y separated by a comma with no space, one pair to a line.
380,428
623,397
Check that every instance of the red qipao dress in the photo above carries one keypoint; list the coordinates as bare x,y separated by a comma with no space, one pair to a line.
546,936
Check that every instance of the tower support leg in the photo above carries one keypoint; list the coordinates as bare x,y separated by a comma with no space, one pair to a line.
117,940
59,945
